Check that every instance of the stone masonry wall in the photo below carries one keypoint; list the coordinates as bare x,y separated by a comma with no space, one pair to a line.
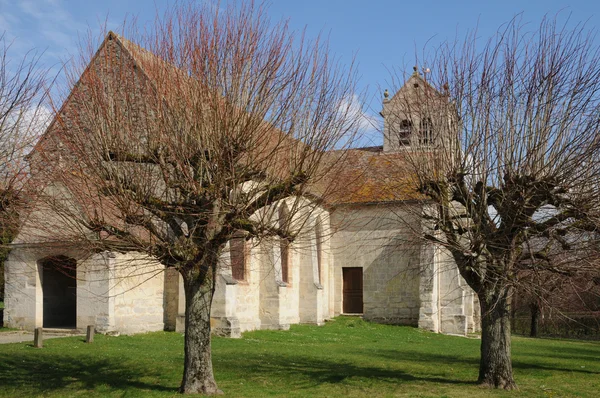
95,303
372,237
138,289
23,291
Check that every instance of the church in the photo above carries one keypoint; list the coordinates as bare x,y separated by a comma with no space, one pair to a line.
357,255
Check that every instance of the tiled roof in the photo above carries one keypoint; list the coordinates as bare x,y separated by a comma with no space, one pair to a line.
367,176
355,176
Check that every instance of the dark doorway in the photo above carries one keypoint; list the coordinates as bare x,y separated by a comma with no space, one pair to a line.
59,287
353,290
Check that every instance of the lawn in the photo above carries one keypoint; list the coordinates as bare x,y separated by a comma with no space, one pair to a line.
346,358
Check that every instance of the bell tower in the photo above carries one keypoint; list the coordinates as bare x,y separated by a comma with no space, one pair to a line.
415,117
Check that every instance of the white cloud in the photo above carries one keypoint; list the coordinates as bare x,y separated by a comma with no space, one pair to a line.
21,130
23,127
40,25
37,119
368,125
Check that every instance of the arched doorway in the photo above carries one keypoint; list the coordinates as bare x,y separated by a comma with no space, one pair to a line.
59,287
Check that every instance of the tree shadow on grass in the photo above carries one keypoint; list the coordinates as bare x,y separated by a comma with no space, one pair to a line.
451,360
441,360
305,371
529,365
589,353
56,372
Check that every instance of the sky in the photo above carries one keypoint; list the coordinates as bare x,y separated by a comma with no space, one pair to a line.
381,36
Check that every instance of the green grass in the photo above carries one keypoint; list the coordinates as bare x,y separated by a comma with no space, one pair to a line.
346,358
1,305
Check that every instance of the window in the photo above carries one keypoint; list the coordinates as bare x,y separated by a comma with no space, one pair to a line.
238,254
404,131
426,131
319,248
284,244
284,249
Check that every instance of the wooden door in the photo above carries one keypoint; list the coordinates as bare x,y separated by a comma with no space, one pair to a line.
353,290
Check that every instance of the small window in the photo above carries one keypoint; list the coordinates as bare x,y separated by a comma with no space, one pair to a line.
284,244
426,131
238,253
404,131
319,248
284,249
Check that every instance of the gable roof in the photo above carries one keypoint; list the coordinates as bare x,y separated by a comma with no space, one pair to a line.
416,82
365,175
52,127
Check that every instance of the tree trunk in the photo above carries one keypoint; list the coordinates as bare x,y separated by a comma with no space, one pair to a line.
535,319
198,377
495,367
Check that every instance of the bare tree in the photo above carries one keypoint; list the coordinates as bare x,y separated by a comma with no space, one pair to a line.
23,86
507,163
199,137
554,302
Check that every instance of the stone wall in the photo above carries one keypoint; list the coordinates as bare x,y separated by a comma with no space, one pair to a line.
23,291
138,291
262,300
448,304
248,300
95,302
405,281
114,292
453,294
375,239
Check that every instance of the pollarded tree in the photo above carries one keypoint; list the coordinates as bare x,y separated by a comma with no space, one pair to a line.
510,181
197,133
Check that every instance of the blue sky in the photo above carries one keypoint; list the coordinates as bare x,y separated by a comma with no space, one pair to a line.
380,34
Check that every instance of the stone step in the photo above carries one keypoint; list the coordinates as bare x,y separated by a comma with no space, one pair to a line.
63,331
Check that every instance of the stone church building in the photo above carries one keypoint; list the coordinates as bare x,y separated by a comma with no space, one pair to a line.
358,255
